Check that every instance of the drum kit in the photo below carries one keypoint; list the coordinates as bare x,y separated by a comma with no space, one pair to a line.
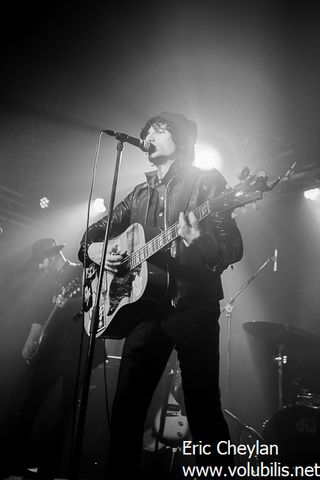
295,427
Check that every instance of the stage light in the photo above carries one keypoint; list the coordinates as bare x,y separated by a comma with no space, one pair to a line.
207,157
44,202
312,194
97,206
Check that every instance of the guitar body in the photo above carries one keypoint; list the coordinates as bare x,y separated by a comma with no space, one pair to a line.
147,280
176,428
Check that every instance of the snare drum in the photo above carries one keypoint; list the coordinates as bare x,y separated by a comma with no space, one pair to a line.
296,431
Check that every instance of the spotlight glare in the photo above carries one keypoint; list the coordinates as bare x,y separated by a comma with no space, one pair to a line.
98,206
312,194
44,202
207,157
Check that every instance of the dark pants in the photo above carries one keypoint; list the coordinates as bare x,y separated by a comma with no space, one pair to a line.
194,332
53,453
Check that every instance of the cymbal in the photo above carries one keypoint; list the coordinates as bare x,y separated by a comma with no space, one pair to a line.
282,334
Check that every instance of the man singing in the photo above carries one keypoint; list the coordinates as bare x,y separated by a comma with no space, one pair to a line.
187,319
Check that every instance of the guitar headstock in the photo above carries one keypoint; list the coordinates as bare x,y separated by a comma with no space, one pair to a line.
250,190
258,182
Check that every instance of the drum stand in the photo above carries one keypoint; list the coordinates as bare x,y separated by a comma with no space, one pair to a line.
228,308
241,427
280,360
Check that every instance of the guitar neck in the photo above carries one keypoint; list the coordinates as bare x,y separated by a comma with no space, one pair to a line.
163,239
229,200
49,318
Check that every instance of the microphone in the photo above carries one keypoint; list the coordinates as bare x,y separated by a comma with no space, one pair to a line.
144,145
275,260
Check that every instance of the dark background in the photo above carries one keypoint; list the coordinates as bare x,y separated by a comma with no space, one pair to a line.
247,72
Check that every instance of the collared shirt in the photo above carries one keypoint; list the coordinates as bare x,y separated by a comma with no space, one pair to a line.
155,217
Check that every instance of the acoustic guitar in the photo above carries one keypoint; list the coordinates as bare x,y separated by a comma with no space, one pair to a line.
140,274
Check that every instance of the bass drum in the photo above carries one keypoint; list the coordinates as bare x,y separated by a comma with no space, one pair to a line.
296,431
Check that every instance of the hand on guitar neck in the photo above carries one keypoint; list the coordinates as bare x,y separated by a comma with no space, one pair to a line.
189,229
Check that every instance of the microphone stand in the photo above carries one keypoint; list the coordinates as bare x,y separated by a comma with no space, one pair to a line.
228,308
83,399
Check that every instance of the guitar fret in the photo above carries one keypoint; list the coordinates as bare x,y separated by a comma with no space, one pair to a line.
163,239
148,250
175,231
133,260
167,236
203,210
155,243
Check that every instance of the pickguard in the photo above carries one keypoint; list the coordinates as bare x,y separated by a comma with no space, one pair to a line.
120,288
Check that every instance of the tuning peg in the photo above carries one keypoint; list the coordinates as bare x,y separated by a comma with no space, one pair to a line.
243,173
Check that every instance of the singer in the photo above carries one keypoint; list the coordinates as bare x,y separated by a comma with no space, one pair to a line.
188,318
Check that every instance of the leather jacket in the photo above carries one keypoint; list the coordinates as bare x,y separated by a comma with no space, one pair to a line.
194,270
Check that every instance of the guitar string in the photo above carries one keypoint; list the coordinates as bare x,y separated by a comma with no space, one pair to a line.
169,235
134,259
251,182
